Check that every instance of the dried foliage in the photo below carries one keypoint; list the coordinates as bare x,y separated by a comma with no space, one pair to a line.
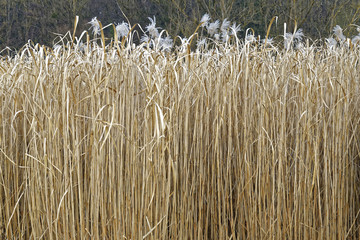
235,141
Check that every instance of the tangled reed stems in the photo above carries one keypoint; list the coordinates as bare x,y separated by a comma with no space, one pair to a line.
234,142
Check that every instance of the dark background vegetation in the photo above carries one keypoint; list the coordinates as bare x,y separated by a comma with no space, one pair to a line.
40,20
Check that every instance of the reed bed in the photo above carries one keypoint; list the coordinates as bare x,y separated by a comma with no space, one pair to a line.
235,141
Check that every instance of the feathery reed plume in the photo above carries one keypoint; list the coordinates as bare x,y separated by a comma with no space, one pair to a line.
235,29
213,27
205,20
338,31
152,29
95,26
122,29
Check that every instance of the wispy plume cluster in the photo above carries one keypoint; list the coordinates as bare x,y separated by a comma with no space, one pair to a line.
250,38
214,32
331,42
356,39
122,29
339,39
219,31
213,27
152,29
268,42
166,43
224,29
293,40
205,20
154,38
338,31
184,44
95,26
225,25
234,29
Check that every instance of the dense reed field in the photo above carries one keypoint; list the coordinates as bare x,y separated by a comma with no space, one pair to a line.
233,140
